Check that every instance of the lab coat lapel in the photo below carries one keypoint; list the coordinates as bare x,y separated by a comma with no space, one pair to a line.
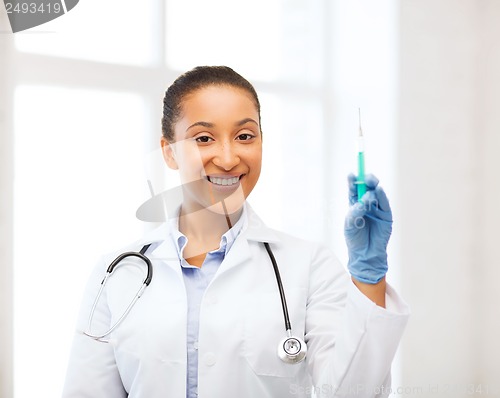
239,254
163,249
255,230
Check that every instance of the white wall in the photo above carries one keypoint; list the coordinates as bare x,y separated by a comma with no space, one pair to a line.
6,162
489,193
448,187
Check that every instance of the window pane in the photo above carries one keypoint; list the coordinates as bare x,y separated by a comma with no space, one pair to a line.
78,181
112,31
221,32
263,40
293,167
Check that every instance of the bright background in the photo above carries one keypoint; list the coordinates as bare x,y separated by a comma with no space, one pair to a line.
80,110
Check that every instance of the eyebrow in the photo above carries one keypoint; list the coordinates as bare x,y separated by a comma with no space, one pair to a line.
211,125
247,120
203,124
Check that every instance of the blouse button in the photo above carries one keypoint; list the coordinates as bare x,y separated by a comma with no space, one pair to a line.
209,359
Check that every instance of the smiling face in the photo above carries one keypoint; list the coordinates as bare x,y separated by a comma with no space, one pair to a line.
217,148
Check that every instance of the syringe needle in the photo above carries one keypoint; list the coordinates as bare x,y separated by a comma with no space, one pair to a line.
359,116
361,161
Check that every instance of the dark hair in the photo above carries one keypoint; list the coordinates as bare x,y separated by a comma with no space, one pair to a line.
195,79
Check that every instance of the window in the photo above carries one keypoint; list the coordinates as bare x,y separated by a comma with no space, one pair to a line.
78,177
88,95
112,31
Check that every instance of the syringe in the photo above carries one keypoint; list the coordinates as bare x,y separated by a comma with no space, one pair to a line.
361,161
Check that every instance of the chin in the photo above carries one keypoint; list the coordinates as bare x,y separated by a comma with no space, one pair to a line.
230,204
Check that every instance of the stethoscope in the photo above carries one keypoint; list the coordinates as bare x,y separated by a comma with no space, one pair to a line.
290,350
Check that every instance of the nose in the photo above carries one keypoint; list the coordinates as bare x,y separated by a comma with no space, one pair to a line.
227,157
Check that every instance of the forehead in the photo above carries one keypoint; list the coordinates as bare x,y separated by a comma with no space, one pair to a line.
217,101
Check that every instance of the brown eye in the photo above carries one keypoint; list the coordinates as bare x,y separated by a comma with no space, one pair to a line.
203,139
245,137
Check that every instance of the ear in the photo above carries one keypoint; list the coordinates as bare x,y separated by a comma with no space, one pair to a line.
168,154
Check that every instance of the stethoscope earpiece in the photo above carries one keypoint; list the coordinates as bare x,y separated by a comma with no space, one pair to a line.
292,350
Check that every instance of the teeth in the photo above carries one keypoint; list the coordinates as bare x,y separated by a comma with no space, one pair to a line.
224,181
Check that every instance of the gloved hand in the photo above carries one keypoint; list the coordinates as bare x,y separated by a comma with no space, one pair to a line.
367,229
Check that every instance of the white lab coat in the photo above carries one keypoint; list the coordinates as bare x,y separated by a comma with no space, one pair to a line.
351,341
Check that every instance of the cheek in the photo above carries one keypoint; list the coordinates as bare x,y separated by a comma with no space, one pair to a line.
255,158
254,161
190,160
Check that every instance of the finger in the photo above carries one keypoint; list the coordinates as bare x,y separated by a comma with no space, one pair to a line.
353,191
351,181
369,201
383,201
377,205
371,181
357,209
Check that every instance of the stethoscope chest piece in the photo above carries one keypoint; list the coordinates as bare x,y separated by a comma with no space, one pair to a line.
292,350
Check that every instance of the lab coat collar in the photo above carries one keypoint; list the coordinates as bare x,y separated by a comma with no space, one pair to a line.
253,229
226,240
256,230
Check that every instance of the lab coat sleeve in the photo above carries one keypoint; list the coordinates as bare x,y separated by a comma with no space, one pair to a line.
351,340
92,371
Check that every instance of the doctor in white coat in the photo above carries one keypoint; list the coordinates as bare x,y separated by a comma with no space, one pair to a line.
210,322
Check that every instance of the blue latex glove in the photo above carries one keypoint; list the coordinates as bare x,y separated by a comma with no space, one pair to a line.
367,229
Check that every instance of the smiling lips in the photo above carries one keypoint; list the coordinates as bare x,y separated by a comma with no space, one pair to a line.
224,184
223,180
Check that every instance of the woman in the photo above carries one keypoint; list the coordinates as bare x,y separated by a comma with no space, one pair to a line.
210,322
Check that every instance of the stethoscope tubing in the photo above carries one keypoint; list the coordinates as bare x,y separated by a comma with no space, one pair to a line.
109,271
288,326
287,350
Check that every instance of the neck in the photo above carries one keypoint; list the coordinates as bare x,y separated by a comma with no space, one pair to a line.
205,225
